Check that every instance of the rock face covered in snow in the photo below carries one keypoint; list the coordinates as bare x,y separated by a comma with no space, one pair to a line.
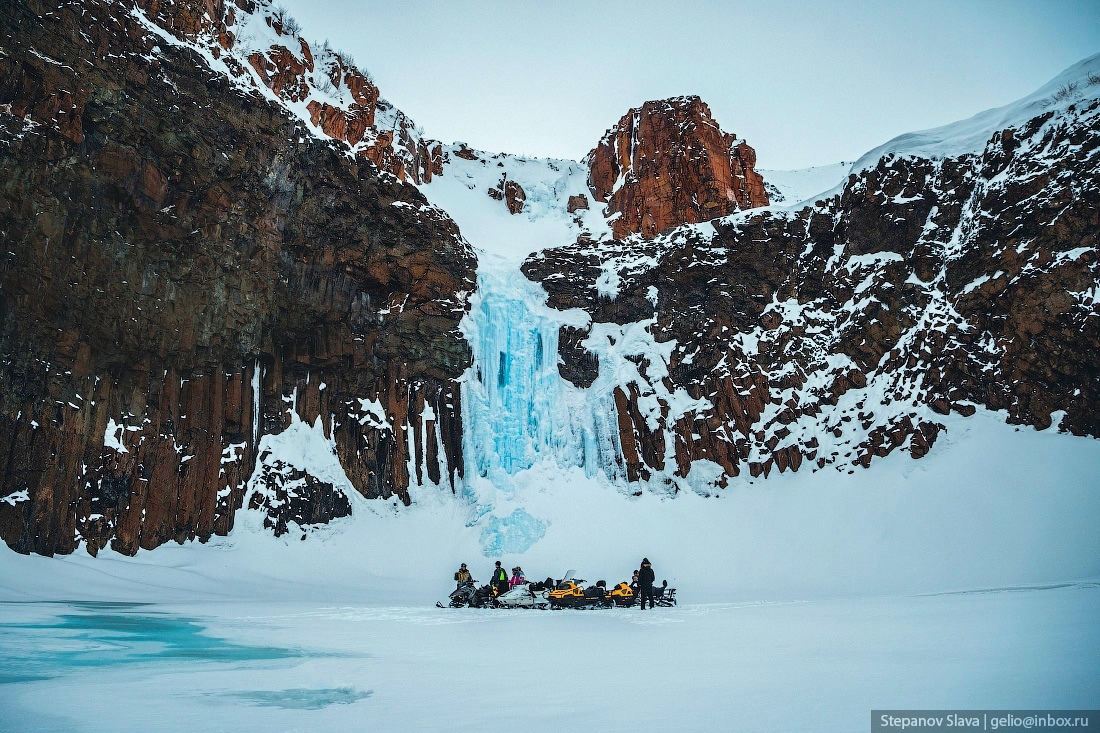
667,163
847,330
260,46
188,273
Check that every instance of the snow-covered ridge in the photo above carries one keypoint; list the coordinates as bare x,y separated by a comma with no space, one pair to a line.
1072,90
792,187
263,51
1077,85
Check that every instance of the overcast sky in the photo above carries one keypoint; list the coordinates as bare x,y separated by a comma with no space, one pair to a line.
804,83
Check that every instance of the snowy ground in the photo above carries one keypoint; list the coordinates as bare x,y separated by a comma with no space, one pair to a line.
967,579
751,665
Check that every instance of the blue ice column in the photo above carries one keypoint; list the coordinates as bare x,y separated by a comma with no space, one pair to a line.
518,408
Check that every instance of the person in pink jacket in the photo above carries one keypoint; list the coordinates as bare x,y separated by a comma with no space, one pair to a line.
517,578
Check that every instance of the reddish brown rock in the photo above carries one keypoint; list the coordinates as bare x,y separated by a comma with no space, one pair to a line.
283,68
575,203
195,273
511,193
669,163
465,153
282,72
514,196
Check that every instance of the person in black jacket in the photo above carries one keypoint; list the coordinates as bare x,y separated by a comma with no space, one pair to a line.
645,582
499,579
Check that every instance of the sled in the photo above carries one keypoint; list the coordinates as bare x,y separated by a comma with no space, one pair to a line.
663,595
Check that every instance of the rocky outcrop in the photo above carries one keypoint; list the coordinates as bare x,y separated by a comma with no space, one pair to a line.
287,495
187,272
667,163
848,330
259,46
511,193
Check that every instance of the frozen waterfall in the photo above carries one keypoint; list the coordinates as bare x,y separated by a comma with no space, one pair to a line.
518,409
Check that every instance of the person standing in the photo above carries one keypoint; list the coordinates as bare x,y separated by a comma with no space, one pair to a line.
463,574
499,579
645,582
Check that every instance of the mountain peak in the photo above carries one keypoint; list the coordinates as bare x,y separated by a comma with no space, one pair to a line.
668,162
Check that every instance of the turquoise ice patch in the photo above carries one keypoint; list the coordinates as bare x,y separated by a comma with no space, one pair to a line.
513,535
302,699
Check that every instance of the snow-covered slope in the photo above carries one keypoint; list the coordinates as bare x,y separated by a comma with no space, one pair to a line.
1076,86
501,238
790,188
261,50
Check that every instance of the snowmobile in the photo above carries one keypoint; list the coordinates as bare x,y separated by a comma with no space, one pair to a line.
566,594
663,595
622,595
570,594
468,594
464,595
528,595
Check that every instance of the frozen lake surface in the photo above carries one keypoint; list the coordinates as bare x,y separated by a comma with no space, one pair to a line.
747,665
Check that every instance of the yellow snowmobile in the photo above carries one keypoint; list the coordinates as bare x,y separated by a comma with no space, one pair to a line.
566,594
622,595
569,594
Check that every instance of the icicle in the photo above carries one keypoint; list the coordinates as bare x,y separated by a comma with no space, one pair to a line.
256,398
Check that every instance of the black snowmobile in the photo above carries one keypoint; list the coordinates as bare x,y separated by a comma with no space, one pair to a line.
467,594
663,595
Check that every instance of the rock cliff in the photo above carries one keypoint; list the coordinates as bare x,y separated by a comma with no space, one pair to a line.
188,271
847,330
668,163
